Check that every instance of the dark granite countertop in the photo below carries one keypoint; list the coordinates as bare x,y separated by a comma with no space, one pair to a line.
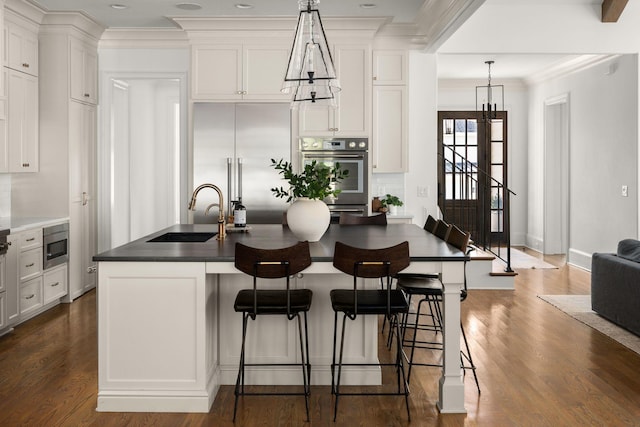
423,246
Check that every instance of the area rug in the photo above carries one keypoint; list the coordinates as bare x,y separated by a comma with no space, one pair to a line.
579,307
522,260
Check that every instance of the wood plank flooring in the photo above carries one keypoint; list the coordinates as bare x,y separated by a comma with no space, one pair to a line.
536,365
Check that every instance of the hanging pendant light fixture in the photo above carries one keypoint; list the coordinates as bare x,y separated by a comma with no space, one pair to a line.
491,93
311,76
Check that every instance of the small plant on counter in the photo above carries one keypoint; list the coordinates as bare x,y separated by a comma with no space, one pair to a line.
390,200
315,182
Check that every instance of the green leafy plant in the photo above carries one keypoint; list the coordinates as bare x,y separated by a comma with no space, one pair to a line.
390,200
315,181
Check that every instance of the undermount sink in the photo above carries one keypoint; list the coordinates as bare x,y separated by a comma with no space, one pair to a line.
186,236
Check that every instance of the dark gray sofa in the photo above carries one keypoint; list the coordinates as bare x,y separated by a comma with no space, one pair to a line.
615,285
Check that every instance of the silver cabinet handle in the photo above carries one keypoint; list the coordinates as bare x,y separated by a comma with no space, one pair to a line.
86,95
25,65
55,284
30,296
30,265
84,198
30,239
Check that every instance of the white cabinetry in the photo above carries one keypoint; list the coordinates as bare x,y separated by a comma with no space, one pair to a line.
22,47
22,127
82,210
11,280
238,71
21,59
54,284
68,136
83,72
351,118
30,271
389,142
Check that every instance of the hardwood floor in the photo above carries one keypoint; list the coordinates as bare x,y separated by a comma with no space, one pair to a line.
536,365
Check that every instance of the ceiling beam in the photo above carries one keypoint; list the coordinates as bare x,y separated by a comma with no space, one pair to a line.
612,9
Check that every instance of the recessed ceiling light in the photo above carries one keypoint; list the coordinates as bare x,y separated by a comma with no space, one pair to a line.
119,6
188,6
244,6
368,5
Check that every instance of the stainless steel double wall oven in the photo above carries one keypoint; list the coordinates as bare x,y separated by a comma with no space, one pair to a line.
353,155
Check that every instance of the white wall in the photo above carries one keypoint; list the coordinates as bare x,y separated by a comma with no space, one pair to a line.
457,95
571,27
603,156
423,137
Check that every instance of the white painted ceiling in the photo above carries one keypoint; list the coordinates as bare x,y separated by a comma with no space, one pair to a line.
154,13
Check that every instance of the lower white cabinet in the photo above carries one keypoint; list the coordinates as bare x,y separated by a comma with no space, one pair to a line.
30,264
30,296
54,284
3,310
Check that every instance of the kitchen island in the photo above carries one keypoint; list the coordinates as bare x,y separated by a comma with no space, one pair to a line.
168,336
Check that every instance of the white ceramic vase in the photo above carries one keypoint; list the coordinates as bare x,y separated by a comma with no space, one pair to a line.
393,210
308,219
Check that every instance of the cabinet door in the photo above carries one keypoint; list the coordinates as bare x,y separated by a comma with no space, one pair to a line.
30,264
264,68
82,212
389,142
217,72
22,49
351,118
4,141
54,284
22,125
389,67
30,296
83,68
11,276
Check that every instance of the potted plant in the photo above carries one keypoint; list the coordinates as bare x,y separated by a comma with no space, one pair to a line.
391,203
308,216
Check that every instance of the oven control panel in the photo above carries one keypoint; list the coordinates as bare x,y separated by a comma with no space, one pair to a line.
334,144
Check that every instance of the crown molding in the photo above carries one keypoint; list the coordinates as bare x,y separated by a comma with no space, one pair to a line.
274,26
568,67
26,9
437,20
77,20
147,38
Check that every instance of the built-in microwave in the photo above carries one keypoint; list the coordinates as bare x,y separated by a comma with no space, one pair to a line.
55,241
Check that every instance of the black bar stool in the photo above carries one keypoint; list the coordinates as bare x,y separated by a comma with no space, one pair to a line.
274,264
350,219
368,263
430,288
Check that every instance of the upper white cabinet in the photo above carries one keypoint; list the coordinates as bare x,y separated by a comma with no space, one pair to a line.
238,71
21,48
351,118
21,62
389,139
83,72
22,125
389,67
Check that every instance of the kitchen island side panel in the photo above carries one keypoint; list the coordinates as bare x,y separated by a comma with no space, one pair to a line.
157,347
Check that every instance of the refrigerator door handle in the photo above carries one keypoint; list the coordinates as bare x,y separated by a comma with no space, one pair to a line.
229,183
239,171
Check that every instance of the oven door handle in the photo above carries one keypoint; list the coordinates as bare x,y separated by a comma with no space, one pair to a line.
334,156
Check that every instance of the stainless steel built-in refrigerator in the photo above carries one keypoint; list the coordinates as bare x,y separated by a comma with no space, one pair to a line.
233,145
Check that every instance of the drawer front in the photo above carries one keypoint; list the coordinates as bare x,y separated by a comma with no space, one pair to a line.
31,295
30,239
54,284
30,264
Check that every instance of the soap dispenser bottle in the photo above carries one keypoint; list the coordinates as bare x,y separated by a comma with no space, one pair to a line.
239,214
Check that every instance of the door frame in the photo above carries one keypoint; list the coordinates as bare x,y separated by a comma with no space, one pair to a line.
556,175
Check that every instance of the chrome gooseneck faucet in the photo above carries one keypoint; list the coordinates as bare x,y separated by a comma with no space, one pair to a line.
192,207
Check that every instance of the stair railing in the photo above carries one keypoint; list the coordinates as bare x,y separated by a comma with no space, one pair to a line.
490,232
